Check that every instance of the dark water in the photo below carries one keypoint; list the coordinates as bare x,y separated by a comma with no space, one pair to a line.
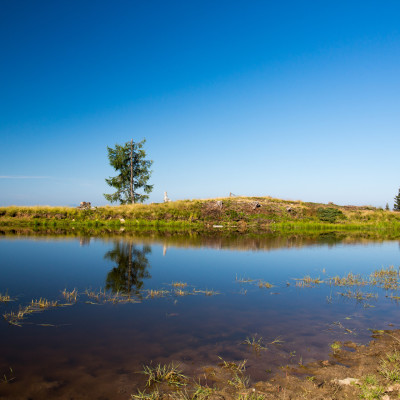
94,351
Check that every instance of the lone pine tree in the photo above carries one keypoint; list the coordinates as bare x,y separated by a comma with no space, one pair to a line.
396,206
134,172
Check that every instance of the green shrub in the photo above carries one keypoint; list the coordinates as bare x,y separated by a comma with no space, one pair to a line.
329,214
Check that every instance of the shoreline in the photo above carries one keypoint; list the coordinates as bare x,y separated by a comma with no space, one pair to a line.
245,214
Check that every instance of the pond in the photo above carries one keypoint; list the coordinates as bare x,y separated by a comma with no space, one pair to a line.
141,301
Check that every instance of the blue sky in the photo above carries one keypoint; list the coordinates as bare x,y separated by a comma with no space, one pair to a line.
290,99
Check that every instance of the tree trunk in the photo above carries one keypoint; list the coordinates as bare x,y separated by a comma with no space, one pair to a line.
132,197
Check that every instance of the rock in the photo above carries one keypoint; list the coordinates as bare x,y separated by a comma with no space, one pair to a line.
396,386
218,204
122,220
347,381
256,205
289,209
85,205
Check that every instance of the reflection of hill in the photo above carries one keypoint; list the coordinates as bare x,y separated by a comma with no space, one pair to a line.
215,240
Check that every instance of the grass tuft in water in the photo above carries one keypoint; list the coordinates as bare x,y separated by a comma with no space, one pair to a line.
336,347
152,293
154,395
70,296
239,381
168,373
179,284
255,342
5,298
233,366
262,284
8,377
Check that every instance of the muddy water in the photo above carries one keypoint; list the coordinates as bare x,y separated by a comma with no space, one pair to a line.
95,349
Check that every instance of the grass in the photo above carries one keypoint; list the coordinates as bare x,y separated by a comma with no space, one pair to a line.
239,381
371,392
204,214
98,295
307,281
348,280
244,280
168,373
16,317
70,296
336,347
206,292
358,295
179,284
233,366
262,284
154,395
8,377
42,303
5,298
389,367
255,342
152,293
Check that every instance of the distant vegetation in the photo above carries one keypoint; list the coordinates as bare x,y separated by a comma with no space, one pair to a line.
238,213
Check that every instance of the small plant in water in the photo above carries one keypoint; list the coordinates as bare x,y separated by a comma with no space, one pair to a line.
202,392
251,396
179,284
42,304
154,395
267,285
255,343
180,292
70,296
336,347
239,382
156,293
243,279
5,298
8,377
169,373
233,366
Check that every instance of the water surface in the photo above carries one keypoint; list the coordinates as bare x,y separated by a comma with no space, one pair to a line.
90,350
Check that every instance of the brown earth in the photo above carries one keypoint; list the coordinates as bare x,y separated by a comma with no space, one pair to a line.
353,372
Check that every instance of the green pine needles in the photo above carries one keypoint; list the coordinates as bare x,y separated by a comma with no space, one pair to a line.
134,172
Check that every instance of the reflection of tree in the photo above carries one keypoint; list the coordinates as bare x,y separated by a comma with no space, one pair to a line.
131,268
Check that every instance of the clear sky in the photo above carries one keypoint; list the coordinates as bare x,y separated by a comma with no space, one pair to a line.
291,99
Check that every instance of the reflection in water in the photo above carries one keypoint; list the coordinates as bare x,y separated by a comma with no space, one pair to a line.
131,269
84,241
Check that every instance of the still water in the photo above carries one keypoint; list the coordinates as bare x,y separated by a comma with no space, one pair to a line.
96,349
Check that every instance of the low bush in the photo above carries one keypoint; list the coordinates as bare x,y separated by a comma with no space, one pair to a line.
329,214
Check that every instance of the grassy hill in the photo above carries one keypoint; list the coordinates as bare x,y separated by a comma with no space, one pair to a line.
242,213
